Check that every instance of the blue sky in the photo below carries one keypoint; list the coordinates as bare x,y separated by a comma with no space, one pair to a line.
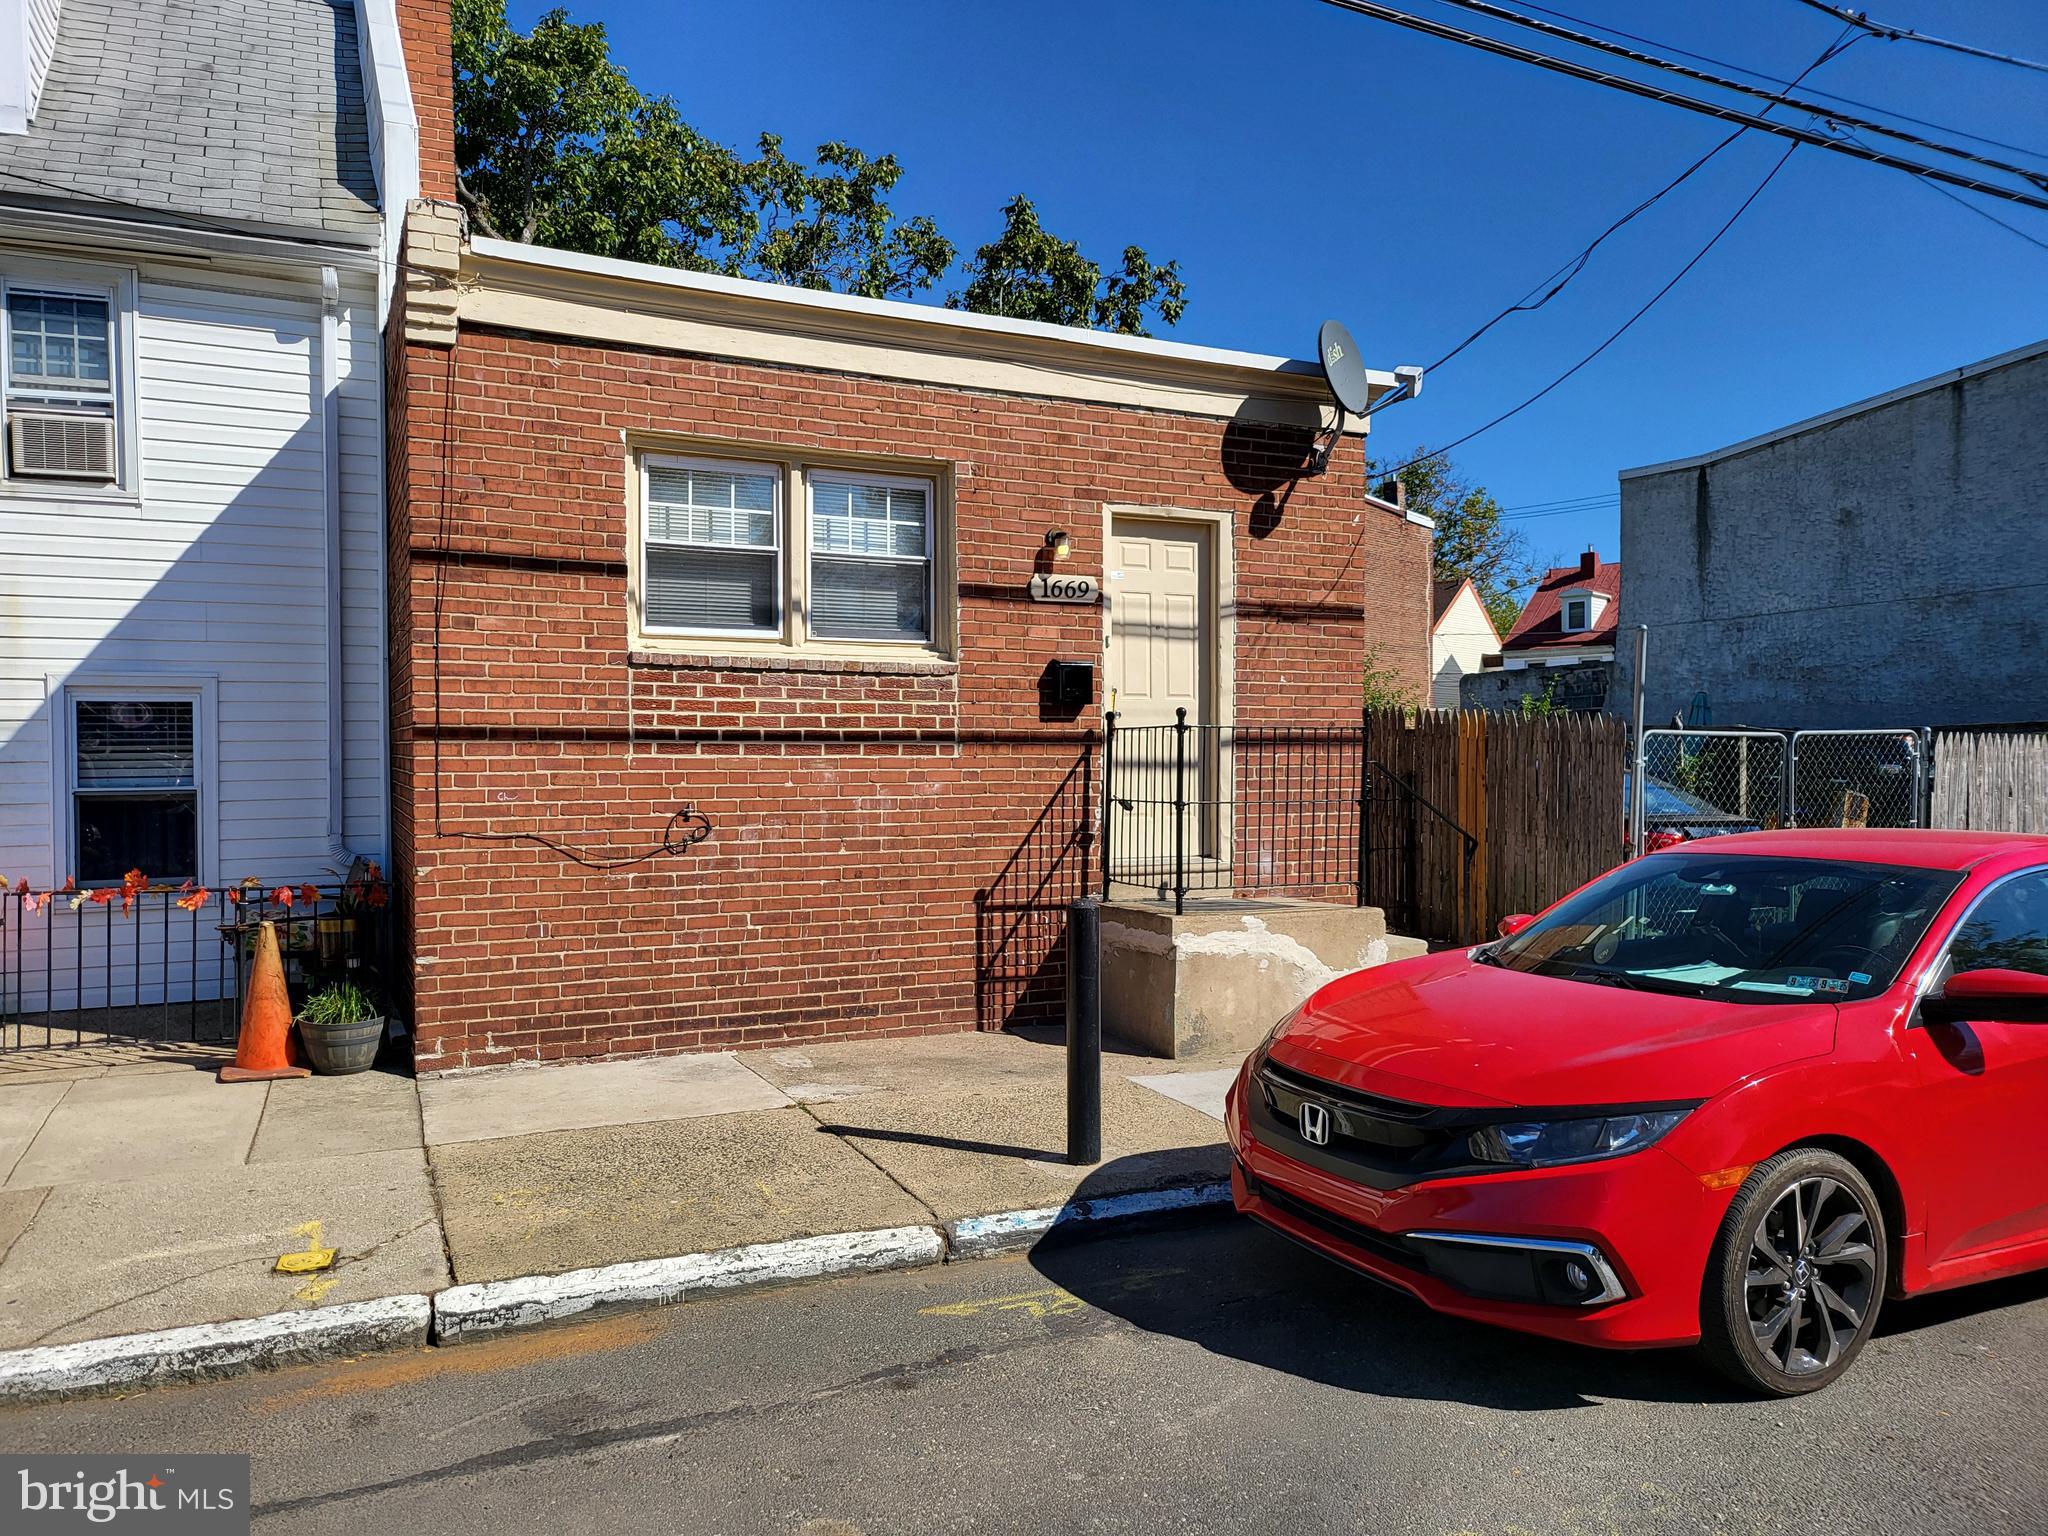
1302,162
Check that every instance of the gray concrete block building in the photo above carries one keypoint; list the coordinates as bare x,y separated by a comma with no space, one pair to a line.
1885,564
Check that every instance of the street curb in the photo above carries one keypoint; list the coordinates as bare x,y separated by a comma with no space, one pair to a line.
207,1350
974,1236
469,1311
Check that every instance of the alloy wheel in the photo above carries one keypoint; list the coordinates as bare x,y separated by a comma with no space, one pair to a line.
1811,1276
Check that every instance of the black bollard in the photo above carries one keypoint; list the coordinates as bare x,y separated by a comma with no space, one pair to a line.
1084,1030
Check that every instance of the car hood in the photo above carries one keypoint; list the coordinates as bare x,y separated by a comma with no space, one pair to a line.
1442,1030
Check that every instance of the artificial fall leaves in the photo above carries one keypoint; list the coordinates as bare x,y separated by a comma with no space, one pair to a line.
191,896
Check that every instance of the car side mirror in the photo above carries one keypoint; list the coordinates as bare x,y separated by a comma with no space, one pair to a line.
1514,923
1989,996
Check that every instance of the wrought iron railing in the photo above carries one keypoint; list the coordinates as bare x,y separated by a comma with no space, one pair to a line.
1294,809
140,962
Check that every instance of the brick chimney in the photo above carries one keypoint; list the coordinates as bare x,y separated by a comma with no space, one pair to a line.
1589,566
429,39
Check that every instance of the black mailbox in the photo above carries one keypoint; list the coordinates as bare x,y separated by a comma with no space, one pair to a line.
1067,686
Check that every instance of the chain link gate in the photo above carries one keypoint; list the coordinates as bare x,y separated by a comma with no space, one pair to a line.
1858,779
1705,783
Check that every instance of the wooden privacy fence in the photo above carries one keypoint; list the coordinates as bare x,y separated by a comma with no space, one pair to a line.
1543,796
1990,781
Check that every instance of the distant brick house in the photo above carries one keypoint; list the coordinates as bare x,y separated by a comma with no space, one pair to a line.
683,557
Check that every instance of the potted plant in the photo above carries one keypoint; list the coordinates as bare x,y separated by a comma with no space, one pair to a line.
341,1026
338,933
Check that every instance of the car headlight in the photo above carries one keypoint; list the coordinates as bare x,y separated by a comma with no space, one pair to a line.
1286,1022
1542,1143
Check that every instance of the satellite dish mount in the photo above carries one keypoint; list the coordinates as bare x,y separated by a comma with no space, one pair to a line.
1344,371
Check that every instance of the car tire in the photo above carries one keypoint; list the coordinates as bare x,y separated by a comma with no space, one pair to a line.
1796,1276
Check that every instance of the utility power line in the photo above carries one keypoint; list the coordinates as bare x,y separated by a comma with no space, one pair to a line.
1862,20
1601,44
1770,79
1521,55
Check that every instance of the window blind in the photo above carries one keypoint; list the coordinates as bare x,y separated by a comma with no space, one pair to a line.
712,542
870,561
134,744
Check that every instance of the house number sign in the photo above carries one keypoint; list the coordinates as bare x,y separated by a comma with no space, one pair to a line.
1063,588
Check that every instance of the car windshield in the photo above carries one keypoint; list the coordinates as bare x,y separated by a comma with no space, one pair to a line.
1741,929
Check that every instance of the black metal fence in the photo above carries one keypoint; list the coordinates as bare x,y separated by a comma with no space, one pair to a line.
170,964
1286,809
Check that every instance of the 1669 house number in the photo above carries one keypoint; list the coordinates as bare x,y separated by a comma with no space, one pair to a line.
1063,588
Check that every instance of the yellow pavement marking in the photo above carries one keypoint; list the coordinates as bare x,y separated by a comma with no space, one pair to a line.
316,1289
1053,1301
313,1258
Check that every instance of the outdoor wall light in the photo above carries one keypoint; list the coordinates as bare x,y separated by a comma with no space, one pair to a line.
1060,543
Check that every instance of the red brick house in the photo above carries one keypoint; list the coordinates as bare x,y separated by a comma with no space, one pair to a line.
718,686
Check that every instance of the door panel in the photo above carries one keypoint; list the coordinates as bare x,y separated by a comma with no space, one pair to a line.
1985,1088
1162,638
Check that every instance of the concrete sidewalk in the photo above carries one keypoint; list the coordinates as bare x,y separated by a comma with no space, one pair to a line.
138,1194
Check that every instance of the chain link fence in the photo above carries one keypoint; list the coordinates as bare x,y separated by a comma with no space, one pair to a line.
1707,783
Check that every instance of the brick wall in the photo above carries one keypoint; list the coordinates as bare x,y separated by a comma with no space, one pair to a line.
424,32
892,844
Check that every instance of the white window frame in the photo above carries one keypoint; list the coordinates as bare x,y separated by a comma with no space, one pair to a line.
116,286
780,551
795,473
815,477
202,691
1585,607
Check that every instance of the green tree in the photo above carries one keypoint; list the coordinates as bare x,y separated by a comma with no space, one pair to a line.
1028,273
555,146
1472,539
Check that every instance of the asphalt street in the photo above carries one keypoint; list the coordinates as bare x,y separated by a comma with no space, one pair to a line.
1206,1378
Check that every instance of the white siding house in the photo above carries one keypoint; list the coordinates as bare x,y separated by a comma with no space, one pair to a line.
1459,641
192,570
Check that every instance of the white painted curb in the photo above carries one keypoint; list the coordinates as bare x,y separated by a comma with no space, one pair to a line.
213,1349
469,1311
972,1236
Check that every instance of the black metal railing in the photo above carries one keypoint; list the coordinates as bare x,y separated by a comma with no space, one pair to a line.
1297,809
168,964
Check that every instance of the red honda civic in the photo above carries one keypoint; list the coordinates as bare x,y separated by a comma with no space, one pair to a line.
1732,1094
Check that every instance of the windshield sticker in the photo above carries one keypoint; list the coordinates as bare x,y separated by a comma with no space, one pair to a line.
1861,978
1817,983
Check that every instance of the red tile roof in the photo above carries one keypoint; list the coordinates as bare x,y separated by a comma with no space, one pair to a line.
1540,625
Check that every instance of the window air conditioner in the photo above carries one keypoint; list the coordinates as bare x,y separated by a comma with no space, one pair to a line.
61,444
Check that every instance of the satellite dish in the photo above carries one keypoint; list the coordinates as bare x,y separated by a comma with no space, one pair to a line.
1343,367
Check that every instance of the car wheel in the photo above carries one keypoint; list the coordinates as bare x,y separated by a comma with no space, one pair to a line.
1796,1275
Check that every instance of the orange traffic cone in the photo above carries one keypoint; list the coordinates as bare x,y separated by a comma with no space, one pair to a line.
265,1048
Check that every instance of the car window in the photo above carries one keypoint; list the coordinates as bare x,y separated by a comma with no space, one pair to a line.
2007,930
1741,928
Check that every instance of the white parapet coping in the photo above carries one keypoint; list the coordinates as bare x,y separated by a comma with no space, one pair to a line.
471,1311
213,1349
972,1236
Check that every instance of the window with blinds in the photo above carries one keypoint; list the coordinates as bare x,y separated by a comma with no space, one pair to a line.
713,542
134,789
871,558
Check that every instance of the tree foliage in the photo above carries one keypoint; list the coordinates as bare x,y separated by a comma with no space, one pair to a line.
1472,540
1028,273
555,146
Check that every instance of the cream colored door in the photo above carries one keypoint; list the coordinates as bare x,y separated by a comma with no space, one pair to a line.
1162,647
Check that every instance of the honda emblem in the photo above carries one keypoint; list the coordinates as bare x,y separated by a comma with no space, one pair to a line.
1315,1124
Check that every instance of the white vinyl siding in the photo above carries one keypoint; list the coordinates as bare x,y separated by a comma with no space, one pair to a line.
216,570
1458,644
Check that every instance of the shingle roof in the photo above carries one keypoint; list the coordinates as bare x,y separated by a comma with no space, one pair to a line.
1541,623
248,112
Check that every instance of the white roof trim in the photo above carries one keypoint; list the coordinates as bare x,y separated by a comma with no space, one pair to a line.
1843,413
895,309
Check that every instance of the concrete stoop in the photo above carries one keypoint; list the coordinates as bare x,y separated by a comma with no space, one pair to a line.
1214,979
